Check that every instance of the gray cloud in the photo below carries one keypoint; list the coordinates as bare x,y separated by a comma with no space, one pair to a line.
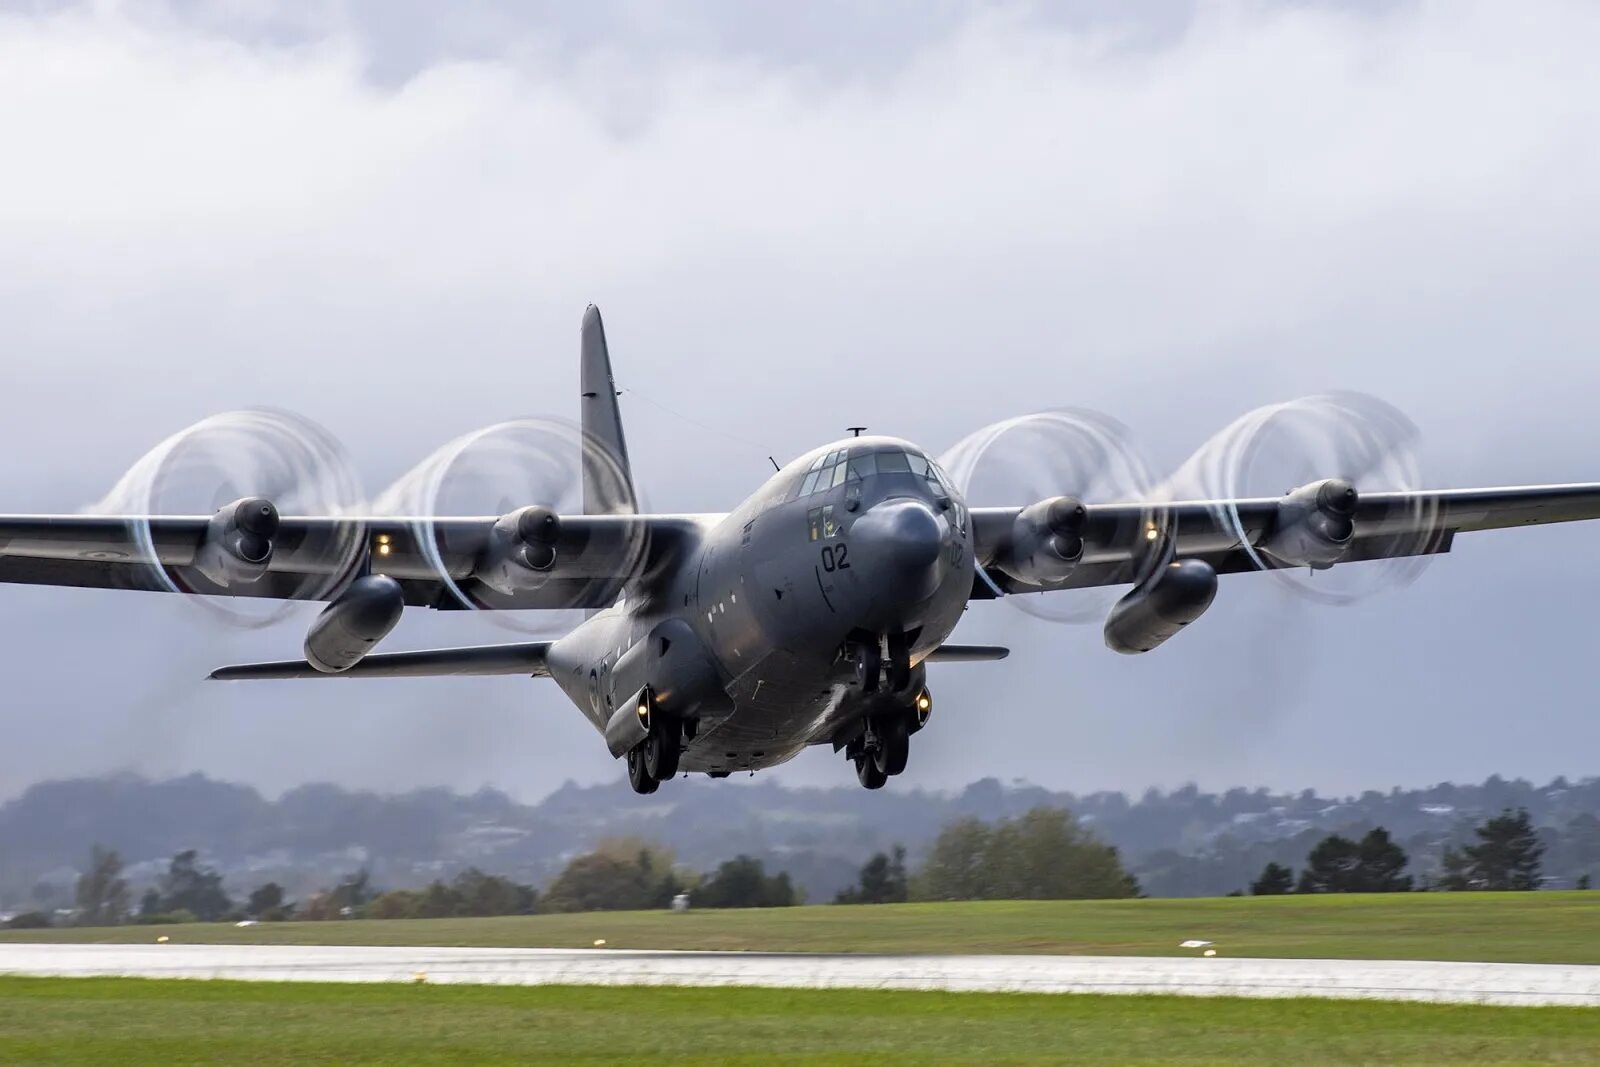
922,222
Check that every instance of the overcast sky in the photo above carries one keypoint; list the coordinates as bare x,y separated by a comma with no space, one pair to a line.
918,216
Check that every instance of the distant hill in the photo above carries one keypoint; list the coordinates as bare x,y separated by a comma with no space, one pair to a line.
1179,843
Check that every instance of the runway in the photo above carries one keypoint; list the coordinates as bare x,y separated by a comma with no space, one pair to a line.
1477,983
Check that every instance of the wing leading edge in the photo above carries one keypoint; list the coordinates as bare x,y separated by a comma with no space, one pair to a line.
437,562
1386,525
528,659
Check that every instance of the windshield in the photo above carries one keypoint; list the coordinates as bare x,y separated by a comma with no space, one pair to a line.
840,466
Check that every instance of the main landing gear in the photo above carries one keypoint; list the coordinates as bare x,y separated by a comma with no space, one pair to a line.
880,752
655,759
873,669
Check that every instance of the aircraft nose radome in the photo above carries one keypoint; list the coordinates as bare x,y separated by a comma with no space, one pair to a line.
902,533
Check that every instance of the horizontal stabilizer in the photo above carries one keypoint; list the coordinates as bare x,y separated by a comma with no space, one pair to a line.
526,658
967,653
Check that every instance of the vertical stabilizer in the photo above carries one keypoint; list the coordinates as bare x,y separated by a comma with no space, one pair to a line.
607,480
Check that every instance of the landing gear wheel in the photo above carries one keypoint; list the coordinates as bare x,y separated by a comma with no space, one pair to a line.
868,773
894,746
661,751
899,662
869,664
638,776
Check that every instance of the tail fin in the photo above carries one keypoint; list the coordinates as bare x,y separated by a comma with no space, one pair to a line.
604,492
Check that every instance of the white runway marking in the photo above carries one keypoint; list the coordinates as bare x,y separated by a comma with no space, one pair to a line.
1477,983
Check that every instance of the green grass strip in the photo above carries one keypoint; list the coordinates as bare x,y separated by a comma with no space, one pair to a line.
1492,927
136,1021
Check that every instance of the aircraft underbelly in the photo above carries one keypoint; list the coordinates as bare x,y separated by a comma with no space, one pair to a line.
779,704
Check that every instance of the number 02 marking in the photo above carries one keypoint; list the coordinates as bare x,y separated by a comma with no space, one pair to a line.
835,558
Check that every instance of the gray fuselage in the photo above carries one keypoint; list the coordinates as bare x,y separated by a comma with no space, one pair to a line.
859,542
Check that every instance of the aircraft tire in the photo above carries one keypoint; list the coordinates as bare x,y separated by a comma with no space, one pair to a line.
894,746
638,775
899,663
661,752
869,666
868,773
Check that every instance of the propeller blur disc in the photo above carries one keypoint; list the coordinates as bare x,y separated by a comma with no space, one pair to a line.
495,470
1070,452
1278,447
284,457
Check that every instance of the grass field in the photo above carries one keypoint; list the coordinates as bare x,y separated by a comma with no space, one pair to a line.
132,1021
1494,927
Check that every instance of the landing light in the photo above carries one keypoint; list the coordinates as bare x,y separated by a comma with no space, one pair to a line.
1150,534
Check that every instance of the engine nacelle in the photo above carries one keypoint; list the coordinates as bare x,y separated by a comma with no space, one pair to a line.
1046,541
521,550
1315,525
1151,614
237,547
354,623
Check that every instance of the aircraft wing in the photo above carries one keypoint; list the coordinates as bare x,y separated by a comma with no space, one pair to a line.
1386,525
528,659
439,563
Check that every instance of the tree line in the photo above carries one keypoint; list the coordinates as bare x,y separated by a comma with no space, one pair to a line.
1178,842
1505,855
1042,854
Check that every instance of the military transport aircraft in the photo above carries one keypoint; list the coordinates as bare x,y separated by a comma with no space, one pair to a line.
805,616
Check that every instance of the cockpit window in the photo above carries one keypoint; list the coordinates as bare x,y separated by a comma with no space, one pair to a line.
838,467
827,471
914,463
821,523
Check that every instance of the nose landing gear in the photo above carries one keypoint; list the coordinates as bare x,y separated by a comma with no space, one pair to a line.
881,661
884,745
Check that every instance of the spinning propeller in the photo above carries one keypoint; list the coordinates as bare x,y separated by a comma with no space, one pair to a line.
1039,457
1284,483
1321,456
528,471
245,468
